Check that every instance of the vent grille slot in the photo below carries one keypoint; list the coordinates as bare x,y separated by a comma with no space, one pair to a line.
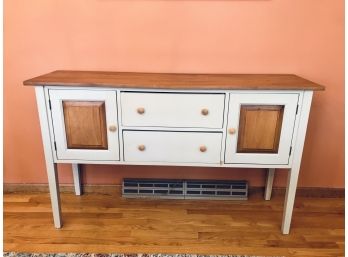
153,188
185,189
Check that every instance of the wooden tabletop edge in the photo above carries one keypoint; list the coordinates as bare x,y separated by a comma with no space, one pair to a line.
56,78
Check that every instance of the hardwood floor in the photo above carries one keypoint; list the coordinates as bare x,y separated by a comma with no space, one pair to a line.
96,222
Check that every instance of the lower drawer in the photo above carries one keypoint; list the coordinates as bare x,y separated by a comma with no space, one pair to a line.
176,147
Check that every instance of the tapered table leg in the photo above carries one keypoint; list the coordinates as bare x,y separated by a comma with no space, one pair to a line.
269,184
51,167
296,162
76,169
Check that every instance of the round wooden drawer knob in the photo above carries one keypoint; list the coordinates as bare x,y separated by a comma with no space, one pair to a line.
141,110
203,149
205,112
112,128
232,131
141,147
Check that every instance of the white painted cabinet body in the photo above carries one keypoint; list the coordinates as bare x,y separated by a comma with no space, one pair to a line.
153,124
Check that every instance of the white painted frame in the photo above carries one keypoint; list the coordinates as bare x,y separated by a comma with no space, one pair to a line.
121,161
57,97
298,138
288,100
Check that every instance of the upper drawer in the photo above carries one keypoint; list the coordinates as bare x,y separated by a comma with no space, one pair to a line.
172,109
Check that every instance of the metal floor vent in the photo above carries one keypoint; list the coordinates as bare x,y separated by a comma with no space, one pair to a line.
185,189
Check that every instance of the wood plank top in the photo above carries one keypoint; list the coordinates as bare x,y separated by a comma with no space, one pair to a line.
174,80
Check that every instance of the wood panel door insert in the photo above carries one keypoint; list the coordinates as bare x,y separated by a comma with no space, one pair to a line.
259,128
85,124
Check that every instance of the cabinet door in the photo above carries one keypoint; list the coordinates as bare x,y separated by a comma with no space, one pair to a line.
260,128
85,124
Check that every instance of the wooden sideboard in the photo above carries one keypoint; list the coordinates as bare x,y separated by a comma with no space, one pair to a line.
215,120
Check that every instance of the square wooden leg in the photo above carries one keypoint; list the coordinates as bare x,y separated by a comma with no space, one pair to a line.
51,167
53,184
289,199
76,169
269,184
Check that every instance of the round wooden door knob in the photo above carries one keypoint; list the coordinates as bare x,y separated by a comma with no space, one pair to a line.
112,128
203,148
232,131
205,112
141,110
141,147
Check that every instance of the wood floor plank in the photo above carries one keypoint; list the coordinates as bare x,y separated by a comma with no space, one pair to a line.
103,223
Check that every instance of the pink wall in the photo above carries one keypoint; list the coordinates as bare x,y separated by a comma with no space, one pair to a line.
305,37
